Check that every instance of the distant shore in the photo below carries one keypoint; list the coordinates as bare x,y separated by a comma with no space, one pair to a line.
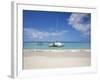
37,59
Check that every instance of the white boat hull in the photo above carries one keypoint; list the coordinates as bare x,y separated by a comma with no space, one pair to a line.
56,44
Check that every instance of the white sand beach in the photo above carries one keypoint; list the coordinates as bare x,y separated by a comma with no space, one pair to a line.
38,59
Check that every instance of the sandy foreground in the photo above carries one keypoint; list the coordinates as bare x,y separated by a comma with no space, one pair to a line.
38,59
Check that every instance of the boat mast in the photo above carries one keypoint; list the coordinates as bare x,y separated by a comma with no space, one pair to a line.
56,26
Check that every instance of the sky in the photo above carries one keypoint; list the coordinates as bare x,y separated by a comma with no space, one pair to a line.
56,26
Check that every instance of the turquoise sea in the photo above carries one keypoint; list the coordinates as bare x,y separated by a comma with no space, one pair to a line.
45,45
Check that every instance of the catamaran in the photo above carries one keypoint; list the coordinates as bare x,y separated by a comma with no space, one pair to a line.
56,43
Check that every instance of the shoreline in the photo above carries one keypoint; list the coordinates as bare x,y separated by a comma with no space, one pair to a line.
58,50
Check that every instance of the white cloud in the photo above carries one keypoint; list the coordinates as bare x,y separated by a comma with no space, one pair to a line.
31,34
76,20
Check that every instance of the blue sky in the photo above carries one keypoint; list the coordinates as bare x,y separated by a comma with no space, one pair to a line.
56,26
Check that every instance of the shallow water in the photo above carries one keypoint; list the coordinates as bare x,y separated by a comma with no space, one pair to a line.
45,45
